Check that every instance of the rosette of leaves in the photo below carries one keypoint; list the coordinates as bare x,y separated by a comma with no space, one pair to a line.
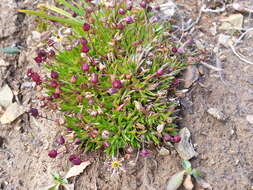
122,95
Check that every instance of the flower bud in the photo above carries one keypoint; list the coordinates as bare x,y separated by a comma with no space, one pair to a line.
94,78
52,153
86,27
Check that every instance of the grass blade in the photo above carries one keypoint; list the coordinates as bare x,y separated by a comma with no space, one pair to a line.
73,8
71,22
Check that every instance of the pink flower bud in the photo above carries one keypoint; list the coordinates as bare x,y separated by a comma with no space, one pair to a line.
86,27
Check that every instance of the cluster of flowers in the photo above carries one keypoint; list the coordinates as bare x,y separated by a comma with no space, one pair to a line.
116,84
73,158
43,55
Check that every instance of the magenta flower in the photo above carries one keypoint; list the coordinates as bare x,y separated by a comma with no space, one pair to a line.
85,49
120,26
129,20
122,11
60,140
86,27
34,112
36,78
159,72
54,75
145,152
52,153
117,84
85,67
83,41
76,161
94,78
53,84
38,59
112,91
143,4
174,50
29,73
51,53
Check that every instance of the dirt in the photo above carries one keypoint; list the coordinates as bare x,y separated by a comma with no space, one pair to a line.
225,152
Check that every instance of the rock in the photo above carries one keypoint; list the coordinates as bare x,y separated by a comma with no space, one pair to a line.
225,40
12,112
3,63
188,185
164,152
184,147
250,118
36,36
217,114
28,85
6,96
191,76
233,22
167,9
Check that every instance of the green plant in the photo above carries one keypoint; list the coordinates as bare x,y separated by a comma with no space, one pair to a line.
114,85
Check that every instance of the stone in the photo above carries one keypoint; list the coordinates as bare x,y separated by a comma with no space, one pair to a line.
233,22
12,112
191,76
184,147
3,63
164,152
217,114
6,96
225,40
250,118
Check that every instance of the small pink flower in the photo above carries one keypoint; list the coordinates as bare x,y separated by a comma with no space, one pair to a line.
86,27
52,153
129,20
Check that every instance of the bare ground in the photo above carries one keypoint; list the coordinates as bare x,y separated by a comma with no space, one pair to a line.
224,147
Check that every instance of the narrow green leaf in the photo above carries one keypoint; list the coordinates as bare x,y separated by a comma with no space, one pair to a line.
186,164
71,22
58,10
76,10
55,187
10,50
